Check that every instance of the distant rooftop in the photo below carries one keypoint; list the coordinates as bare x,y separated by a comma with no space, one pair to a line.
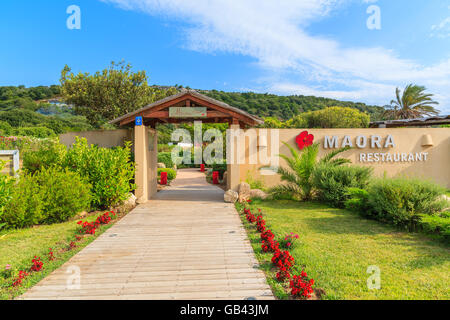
418,122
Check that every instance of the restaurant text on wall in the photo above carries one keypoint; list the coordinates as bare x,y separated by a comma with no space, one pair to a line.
374,142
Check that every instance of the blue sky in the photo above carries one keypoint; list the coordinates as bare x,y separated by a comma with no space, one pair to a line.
310,47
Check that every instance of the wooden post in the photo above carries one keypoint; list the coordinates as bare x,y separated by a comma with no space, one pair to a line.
140,154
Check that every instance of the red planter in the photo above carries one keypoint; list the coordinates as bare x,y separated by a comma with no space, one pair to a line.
215,177
202,168
163,178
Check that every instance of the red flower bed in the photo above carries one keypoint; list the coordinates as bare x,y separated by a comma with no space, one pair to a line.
20,277
260,224
86,227
250,217
90,227
270,245
283,259
51,256
283,274
267,235
37,264
301,286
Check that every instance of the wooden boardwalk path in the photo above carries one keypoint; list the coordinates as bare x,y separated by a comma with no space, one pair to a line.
185,244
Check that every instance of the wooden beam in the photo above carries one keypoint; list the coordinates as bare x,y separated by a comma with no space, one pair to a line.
191,99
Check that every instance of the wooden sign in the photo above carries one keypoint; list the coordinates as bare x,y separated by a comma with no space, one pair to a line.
187,112
10,161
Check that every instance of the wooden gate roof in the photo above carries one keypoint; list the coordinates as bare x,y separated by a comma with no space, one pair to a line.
217,111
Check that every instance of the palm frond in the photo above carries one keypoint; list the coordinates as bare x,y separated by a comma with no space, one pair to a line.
332,154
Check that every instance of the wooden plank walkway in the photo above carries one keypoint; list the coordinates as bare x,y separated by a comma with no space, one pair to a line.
185,244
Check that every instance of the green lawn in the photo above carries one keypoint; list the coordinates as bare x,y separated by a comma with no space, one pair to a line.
337,246
18,247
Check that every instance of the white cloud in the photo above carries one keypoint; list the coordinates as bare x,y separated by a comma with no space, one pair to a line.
273,32
442,29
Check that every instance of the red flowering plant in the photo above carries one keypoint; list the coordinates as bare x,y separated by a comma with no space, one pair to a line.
37,264
18,280
267,235
283,274
51,255
270,245
301,286
104,219
250,217
260,224
289,240
283,259
86,227
304,139
72,245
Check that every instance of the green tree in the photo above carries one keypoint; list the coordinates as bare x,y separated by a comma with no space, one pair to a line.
110,93
301,165
412,103
332,117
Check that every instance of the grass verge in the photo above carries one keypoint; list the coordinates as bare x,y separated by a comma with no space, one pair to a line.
18,247
337,246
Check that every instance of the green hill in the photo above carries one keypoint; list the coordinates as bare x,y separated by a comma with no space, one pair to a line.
285,107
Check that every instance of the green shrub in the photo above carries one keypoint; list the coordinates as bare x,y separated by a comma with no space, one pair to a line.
166,158
332,182
332,117
109,171
24,209
358,200
64,194
400,201
6,191
171,173
437,224
5,128
37,132
49,154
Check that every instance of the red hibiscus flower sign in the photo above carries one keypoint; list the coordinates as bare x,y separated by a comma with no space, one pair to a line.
304,139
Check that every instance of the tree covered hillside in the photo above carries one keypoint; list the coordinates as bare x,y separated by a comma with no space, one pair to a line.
285,107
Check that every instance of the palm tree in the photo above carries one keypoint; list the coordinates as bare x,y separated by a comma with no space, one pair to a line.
413,103
301,166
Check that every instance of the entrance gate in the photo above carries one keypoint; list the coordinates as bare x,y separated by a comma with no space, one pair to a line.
186,106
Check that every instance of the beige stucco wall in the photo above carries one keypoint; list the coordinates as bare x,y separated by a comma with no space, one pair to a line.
407,140
146,154
102,138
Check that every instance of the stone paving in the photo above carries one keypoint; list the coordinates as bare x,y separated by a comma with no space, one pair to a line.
185,244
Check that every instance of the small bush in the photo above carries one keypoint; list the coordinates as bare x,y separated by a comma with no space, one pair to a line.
171,173
166,158
400,201
332,182
437,224
24,209
6,191
64,194
109,171
5,128
358,201
49,154
37,132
